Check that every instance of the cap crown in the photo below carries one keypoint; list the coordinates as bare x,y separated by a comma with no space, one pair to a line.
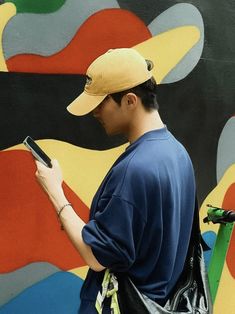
116,70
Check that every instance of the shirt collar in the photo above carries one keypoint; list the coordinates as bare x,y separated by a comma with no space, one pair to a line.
158,134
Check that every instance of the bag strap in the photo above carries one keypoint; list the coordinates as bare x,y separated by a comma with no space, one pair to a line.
196,237
109,290
196,232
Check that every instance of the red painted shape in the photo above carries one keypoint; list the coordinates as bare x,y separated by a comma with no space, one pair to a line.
30,230
229,203
109,28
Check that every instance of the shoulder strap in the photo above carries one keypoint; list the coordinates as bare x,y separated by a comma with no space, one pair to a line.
196,236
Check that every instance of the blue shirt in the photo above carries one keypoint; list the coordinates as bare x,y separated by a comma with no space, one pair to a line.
141,217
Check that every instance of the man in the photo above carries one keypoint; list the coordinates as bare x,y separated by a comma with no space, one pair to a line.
141,216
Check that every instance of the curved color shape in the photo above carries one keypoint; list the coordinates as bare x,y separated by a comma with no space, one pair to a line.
7,11
124,30
80,271
46,34
32,6
58,294
225,294
227,282
30,231
168,49
223,196
11,284
216,197
79,165
229,203
179,15
226,148
209,237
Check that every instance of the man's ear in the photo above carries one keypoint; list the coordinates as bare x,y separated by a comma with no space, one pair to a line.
131,100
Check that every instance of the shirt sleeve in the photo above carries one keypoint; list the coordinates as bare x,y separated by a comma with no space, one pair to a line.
115,233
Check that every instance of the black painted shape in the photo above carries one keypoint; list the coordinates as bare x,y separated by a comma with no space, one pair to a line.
146,10
196,110
35,105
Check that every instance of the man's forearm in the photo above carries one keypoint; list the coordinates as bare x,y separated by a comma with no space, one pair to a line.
51,181
73,226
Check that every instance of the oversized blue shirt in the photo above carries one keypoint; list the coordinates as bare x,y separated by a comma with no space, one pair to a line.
141,217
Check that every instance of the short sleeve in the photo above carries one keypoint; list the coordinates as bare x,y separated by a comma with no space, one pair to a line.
115,233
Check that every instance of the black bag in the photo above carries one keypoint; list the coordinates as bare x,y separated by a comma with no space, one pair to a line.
191,294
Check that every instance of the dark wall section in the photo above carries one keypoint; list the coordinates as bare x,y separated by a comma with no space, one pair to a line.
196,111
35,105
197,108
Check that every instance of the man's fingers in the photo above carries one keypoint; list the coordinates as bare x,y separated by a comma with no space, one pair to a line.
39,164
54,163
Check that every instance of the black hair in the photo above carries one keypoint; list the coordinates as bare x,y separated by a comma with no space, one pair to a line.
146,91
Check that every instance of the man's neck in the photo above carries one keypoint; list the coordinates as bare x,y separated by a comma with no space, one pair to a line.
143,124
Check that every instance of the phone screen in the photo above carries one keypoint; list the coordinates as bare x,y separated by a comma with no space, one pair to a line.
37,152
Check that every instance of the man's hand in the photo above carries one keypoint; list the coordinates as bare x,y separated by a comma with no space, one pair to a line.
51,180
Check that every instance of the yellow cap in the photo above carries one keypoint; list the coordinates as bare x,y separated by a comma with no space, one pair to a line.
115,71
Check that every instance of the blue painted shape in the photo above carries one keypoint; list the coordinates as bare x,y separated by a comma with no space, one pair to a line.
209,237
226,149
59,293
13,283
180,14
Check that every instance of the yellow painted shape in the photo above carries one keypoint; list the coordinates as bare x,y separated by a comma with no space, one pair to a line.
167,49
7,11
225,301
83,169
80,271
216,197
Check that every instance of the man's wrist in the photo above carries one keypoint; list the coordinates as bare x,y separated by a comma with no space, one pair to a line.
59,212
58,199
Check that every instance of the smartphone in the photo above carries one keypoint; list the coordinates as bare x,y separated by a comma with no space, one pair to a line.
37,152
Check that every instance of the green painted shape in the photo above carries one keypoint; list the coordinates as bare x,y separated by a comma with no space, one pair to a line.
37,6
218,257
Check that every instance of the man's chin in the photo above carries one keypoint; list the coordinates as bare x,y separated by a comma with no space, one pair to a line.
111,132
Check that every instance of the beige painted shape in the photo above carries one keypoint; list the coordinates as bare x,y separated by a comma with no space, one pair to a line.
167,49
80,271
83,169
7,11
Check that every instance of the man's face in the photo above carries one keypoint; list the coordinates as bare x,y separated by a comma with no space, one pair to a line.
113,117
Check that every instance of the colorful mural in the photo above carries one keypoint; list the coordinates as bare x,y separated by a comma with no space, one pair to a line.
45,49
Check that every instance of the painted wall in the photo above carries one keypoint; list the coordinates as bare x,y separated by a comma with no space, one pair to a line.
45,49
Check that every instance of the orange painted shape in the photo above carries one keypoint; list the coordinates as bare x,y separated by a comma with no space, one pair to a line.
30,230
229,203
109,28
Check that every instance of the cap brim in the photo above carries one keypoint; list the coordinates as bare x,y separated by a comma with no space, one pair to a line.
84,104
